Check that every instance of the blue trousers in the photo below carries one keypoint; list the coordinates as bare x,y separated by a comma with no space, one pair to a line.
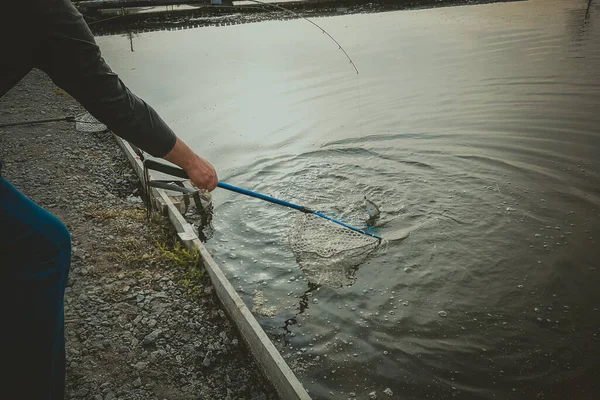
35,258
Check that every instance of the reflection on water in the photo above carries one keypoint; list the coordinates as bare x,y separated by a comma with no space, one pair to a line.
476,129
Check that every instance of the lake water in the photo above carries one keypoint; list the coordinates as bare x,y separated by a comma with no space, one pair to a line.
476,128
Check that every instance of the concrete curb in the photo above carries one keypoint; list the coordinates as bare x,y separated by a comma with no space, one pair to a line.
273,365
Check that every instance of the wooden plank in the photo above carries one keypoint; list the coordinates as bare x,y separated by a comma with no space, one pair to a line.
266,355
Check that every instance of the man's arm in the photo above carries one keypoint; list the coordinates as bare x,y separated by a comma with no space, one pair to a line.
69,54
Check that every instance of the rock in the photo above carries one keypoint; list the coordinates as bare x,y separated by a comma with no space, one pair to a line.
373,395
206,361
82,392
110,396
137,383
154,356
260,396
388,391
151,338
140,365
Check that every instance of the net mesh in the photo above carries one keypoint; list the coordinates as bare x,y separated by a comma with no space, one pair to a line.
329,253
87,123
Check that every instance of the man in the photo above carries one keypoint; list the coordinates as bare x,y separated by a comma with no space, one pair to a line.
35,247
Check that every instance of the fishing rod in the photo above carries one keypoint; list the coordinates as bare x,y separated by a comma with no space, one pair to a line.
38,121
312,22
83,122
279,8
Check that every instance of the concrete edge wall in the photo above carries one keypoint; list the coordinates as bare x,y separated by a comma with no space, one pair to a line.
264,352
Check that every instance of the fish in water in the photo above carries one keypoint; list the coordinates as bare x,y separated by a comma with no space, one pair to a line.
372,209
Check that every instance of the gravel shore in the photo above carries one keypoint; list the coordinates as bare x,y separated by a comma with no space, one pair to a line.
142,319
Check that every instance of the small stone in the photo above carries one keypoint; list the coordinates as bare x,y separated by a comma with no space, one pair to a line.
82,392
140,365
373,395
110,396
206,361
442,314
151,338
388,391
137,383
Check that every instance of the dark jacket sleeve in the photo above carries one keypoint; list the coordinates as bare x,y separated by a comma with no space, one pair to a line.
68,53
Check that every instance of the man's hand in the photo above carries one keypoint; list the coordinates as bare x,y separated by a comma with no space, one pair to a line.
201,172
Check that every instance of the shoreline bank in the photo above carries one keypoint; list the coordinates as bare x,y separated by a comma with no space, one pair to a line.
141,321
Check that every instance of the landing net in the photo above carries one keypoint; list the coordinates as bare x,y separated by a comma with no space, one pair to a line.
87,123
329,253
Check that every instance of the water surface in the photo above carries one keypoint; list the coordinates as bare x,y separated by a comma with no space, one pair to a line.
476,128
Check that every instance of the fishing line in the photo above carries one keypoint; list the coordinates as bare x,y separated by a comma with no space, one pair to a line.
314,23
322,30
358,105
264,4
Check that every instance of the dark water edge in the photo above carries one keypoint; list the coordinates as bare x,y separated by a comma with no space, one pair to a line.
174,19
